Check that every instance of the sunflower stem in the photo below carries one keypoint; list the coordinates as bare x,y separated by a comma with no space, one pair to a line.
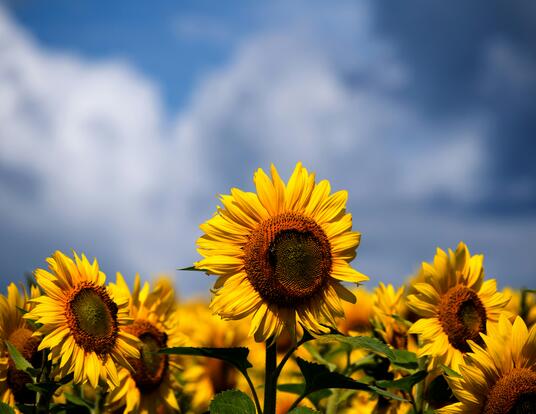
253,392
270,378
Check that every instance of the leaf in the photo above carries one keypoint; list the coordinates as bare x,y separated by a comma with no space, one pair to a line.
303,410
387,394
316,355
49,387
20,362
404,383
319,377
364,342
450,372
237,357
404,359
6,408
69,409
78,401
232,402
299,389
26,408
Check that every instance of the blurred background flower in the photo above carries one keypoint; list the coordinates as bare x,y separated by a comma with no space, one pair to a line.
121,122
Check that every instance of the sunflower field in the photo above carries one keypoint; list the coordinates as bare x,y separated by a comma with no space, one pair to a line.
291,327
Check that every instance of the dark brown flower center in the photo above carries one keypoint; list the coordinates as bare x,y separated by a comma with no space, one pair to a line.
27,345
92,317
462,316
515,393
150,369
288,259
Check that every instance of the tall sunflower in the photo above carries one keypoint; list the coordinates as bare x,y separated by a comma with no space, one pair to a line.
500,378
82,321
281,254
454,304
151,386
17,331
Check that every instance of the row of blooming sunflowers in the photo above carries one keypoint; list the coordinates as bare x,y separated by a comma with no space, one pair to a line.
285,330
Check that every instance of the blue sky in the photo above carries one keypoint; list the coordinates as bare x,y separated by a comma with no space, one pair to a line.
121,122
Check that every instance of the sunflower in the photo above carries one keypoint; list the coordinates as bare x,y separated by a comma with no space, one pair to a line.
389,314
454,304
151,386
500,378
205,377
81,321
17,331
281,254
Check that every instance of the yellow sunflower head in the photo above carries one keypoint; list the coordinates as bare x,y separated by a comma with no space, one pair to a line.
151,385
389,303
82,321
499,378
17,331
280,254
455,304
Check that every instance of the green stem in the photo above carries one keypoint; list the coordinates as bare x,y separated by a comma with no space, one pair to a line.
101,399
270,382
43,399
288,355
254,392
295,403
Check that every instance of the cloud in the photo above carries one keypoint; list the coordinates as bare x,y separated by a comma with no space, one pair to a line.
89,158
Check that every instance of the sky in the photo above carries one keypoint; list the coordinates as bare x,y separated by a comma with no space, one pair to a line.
122,122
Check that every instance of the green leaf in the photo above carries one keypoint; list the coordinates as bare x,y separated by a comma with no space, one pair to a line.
364,342
299,389
319,358
49,387
450,372
232,402
303,410
404,359
319,377
26,408
6,408
404,383
387,394
68,409
237,357
20,362
78,401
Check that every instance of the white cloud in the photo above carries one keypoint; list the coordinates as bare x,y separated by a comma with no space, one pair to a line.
110,167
